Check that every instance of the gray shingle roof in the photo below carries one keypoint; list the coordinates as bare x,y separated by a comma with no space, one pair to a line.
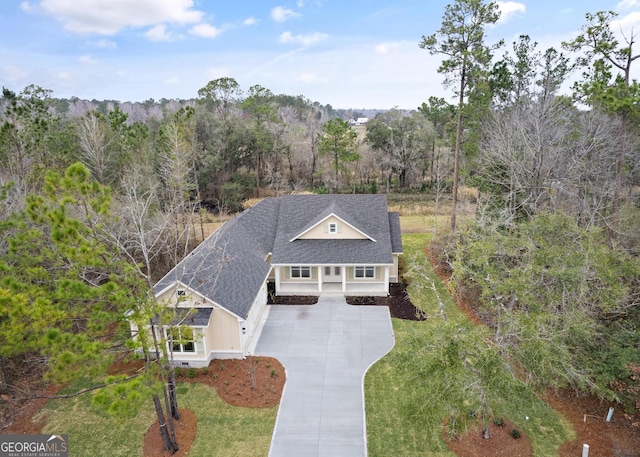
197,317
396,234
367,213
230,266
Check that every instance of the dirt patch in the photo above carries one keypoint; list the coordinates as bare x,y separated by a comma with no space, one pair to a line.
398,301
587,414
186,430
500,444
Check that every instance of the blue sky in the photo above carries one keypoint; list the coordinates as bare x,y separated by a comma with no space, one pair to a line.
350,54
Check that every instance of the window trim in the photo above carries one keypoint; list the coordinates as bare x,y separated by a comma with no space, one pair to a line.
364,272
333,227
186,343
300,272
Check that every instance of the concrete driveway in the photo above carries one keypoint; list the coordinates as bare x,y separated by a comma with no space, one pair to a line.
326,349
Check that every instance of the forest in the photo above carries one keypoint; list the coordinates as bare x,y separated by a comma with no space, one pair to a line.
542,185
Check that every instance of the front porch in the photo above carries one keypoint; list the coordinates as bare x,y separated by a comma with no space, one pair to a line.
312,288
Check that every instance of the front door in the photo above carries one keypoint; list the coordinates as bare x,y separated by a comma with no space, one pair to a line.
332,274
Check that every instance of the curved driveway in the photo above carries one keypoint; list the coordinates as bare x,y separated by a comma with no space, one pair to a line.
326,349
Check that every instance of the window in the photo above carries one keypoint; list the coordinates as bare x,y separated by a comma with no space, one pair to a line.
180,339
300,272
365,272
181,292
333,227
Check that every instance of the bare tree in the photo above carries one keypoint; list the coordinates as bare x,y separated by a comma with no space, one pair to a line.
94,140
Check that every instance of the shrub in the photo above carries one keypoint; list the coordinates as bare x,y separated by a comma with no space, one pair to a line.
515,434
204,371
499,421
273,373
192,372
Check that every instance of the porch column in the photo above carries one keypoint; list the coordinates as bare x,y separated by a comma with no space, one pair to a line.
386,278
319,278
344,279
277,271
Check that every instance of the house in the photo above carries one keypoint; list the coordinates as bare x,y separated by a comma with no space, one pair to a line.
303,244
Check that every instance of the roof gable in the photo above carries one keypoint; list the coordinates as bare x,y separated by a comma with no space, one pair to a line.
314,229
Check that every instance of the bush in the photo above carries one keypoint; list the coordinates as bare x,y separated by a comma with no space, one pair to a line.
204,371
192,372
515,434
498,421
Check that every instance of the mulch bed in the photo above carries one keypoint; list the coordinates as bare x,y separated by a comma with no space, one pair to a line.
398,301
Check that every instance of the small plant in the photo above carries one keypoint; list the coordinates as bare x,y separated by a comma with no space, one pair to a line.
274,374
221,367
214,376
179,372
226,383
498,421
515,434
204,371
192,372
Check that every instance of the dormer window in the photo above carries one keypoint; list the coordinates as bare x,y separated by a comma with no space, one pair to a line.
181,293
333,227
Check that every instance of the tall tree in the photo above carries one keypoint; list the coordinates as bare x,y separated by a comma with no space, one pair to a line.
607,80
26,130
339,141
461,39
260,105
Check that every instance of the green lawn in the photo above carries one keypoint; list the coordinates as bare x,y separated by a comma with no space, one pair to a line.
390,391
222,429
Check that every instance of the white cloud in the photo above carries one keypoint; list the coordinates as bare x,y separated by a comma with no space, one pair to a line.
280,14
385,48
623,26
107,17
103,44
27,7
13,73
87,58
205,30
64,76
250,21
159,33
627,4
305,40
509,9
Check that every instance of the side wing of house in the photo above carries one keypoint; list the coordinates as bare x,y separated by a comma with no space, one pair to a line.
219,291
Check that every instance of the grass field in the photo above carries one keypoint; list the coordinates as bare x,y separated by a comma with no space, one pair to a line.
390,392
222,428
